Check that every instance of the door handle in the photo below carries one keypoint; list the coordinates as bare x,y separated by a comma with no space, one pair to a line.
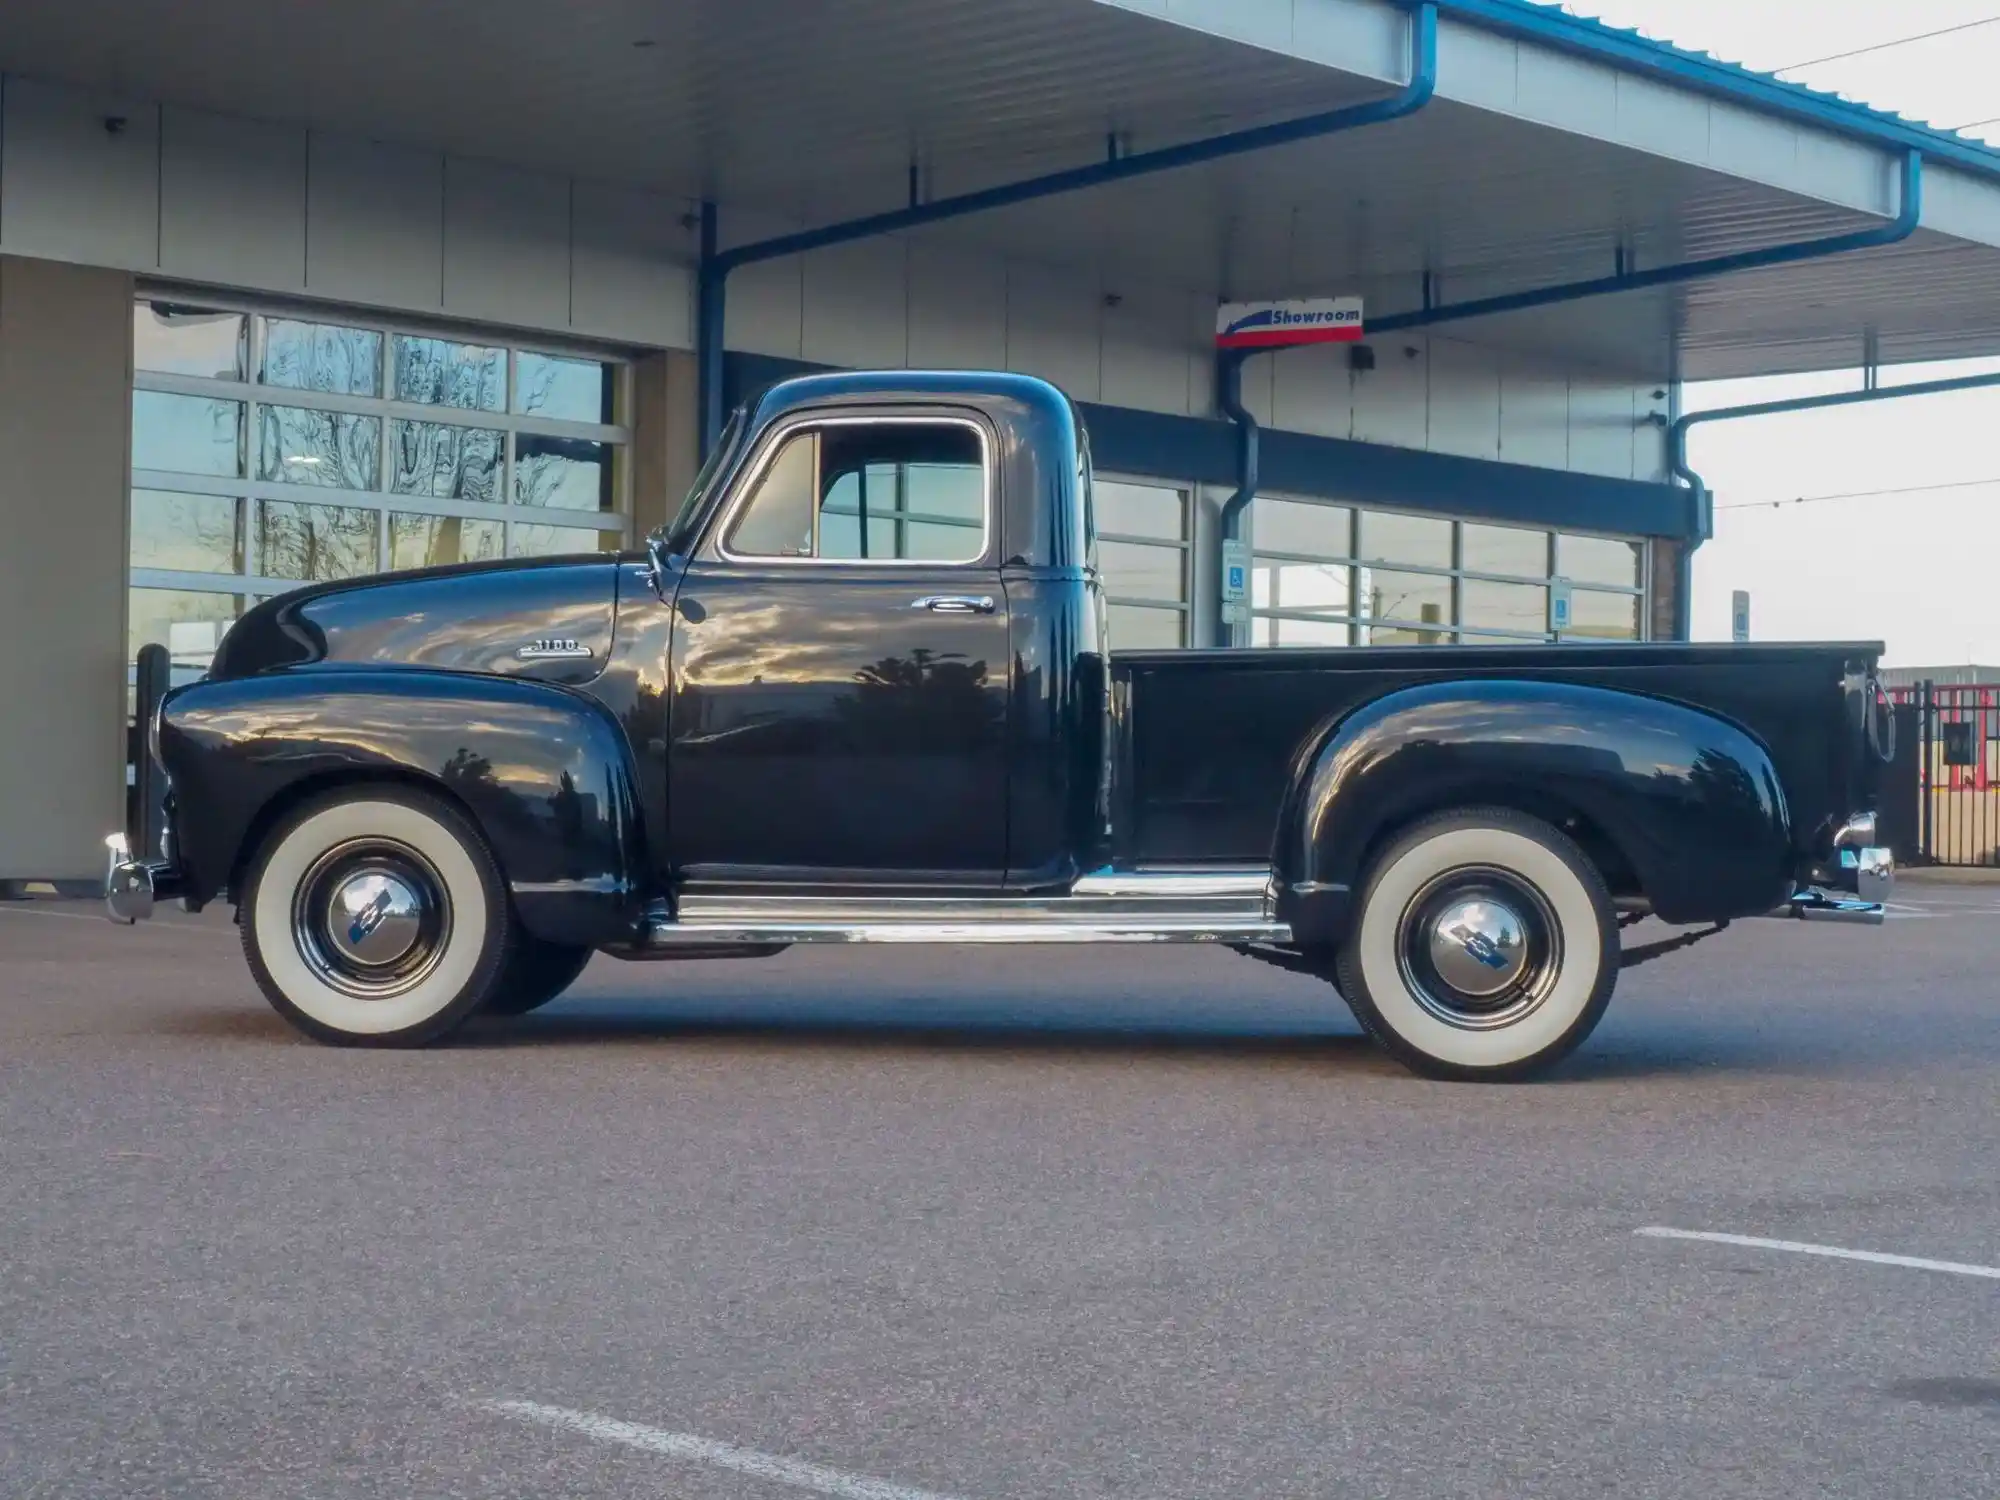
955,604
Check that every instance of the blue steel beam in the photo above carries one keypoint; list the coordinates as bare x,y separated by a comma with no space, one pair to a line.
1677,456
713,273
1909,215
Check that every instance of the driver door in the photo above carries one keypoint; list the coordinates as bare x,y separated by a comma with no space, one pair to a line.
841,664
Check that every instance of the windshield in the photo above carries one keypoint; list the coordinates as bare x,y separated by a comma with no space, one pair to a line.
673,533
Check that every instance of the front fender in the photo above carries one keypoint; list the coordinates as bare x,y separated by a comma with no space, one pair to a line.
544,771
1691,803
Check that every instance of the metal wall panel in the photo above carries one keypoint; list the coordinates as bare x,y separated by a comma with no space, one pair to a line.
1357,36
65,418
1484,69
1756,146
1603,426
262,207
74,188
1464,399
232,200
856,305
1148,338
1662,120
1313,391
1534,414
1843,172
506,244
1053,329
630,266
1392,401
1957,204
958,310
375,218
1569,93
1261,23
766,300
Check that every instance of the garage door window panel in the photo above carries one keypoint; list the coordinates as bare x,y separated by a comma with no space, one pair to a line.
1143,558
482,442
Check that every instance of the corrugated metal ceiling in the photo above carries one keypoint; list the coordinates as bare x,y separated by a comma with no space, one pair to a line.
813,112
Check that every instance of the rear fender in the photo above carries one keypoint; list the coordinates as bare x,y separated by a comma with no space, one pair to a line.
1691,804
544,771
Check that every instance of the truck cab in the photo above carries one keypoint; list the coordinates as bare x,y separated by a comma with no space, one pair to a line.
887,662
859,689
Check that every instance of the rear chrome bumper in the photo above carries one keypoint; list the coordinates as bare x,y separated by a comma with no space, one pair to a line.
1858,886
132,886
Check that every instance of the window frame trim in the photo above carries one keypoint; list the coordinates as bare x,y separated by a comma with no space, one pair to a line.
715,544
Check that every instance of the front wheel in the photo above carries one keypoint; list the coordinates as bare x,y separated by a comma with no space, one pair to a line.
1485,946
376,917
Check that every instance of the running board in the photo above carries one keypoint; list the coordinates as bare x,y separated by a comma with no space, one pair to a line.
1142,907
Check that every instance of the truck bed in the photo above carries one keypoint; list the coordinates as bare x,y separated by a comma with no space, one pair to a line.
1208,739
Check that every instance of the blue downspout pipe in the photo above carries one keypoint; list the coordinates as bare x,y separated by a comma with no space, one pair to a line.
1677,455
1229,396
712,274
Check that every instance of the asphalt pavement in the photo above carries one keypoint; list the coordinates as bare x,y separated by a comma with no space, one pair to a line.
991,1225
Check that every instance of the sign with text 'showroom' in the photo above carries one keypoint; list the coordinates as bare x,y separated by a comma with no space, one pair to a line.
1278,325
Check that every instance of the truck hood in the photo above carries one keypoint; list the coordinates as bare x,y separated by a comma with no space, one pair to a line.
550,620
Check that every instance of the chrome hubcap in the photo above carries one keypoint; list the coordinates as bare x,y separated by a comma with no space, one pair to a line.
1479,948
374,918
371,918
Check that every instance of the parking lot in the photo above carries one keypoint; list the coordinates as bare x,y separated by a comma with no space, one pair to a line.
908,1223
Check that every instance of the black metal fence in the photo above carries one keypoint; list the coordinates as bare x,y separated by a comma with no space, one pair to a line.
1941,804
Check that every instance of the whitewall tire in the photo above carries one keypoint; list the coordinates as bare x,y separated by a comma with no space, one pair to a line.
538,973
1485,946
376,917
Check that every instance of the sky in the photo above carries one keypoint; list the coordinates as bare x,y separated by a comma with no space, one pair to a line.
1918,570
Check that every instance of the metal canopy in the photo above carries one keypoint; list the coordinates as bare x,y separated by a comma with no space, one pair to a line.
792,115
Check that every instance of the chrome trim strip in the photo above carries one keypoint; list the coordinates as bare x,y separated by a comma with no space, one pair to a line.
1188,929
595,885
1173,884
1236,905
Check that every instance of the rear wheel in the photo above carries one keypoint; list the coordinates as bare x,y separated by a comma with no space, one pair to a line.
537,973
1485,946
376,917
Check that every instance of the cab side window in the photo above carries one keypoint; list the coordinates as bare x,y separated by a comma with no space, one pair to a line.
905,491
777,520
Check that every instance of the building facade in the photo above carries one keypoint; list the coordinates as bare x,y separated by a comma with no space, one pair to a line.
251,339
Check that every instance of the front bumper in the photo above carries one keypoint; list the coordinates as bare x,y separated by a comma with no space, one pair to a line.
132,886
1858,884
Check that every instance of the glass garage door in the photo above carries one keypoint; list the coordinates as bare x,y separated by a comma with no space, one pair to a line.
1331,575
1143,557
273,449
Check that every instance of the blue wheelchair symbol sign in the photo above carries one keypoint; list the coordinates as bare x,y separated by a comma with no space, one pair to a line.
1236,578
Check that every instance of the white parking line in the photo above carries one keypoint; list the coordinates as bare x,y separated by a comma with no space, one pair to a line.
792,1471
1832,1252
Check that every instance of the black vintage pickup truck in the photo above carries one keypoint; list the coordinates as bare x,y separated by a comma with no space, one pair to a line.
859,690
